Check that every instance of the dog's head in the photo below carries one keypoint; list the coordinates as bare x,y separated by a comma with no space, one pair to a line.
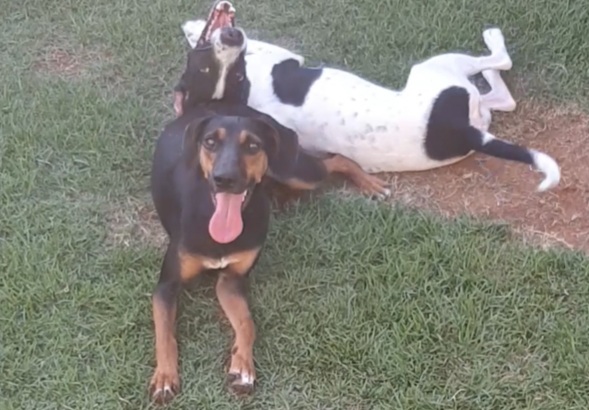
233,154
215,67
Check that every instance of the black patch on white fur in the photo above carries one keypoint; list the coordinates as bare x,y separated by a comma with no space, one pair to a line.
292,83
506,150
450,135
448,125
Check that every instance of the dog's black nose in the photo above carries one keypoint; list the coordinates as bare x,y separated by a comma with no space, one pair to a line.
225,181
231,36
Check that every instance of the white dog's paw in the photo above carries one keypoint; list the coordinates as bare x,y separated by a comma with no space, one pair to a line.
494,38
495,41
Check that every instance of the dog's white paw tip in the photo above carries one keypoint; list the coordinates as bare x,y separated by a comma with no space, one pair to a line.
383,195
511,105
493,33
494,38
241,383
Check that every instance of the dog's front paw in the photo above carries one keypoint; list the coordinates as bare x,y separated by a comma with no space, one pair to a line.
241,375
164,385
373,186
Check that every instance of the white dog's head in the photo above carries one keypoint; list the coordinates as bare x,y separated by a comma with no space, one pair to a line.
215,67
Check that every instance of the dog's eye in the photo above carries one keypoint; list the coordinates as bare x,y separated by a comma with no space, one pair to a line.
204,70
253,147
239,77
210,142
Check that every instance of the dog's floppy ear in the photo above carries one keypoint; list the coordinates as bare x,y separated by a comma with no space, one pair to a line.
192,138
282,147
192,30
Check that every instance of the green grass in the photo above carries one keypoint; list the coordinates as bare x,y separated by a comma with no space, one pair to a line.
357,306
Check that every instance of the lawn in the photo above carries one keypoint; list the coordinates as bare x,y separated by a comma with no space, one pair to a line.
358,305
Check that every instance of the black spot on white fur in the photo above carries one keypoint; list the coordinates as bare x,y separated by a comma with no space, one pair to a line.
292,83
450,135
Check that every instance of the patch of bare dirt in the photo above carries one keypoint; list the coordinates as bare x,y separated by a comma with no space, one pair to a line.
134,222
67,62
499,190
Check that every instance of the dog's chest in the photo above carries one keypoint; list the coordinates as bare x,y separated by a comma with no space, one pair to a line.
220,263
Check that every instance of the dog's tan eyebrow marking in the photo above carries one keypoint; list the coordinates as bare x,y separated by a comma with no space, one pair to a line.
246,136
220,133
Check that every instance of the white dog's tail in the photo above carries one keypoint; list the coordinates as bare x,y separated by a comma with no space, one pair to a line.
488,144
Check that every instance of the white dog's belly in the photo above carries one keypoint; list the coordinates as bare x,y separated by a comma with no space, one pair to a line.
380,129
376,151
396,161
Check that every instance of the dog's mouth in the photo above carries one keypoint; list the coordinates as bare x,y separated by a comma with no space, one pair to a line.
226,224
222,15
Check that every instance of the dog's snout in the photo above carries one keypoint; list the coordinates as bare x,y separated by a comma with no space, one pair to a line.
225,181
231,36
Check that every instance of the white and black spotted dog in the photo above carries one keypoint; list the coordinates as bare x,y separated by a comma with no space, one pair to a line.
439,118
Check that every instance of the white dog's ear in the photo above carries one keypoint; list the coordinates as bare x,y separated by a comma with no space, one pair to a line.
192,30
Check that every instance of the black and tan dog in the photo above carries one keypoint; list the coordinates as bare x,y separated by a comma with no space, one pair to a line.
209,170
212,204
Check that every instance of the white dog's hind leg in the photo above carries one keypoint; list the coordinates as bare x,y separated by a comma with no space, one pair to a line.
478,114
465,65
495,42
499,98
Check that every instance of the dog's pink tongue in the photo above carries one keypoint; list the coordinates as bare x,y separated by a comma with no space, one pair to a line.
226,223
